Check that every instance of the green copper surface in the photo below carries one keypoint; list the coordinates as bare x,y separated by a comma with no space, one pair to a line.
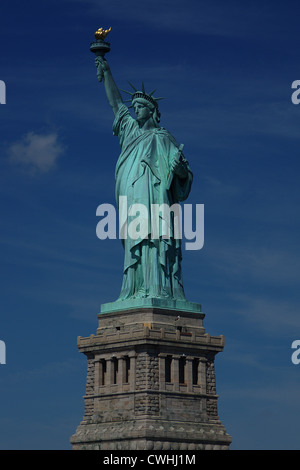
168,304
150,170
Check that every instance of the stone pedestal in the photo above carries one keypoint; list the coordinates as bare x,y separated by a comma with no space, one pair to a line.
151,383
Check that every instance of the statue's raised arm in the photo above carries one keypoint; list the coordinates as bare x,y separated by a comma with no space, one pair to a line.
100,47
112,91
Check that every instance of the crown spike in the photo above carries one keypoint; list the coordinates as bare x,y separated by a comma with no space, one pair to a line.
152,92
143,87
132,86
128,92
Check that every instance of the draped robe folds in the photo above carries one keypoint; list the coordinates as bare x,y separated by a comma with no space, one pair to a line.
152,266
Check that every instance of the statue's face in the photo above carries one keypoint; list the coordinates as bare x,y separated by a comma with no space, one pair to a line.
143,113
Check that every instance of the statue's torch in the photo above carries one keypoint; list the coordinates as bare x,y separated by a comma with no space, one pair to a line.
100,47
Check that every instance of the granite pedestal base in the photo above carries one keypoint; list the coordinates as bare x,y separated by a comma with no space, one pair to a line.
151,383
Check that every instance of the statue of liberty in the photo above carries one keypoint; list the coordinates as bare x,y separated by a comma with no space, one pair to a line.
150,170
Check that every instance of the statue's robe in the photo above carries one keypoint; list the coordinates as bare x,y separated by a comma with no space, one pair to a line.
152,266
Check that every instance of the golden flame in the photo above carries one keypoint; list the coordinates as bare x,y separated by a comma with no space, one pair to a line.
102,33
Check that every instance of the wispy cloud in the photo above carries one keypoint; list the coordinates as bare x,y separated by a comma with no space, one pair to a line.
37,152
262,264
271,315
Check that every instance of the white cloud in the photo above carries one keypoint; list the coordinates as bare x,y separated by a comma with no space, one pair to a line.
36,151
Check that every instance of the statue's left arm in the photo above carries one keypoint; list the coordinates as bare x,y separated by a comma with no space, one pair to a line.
182,178
180,168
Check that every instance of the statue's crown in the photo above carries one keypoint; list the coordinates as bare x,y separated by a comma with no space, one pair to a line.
142,94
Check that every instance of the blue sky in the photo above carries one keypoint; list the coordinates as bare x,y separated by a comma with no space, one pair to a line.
226,71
